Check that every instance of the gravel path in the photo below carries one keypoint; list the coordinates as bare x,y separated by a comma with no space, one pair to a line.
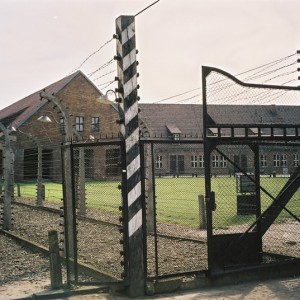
99,243
99,247
18,263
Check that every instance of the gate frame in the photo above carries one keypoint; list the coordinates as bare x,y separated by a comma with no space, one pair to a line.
70,216
151,142
211,143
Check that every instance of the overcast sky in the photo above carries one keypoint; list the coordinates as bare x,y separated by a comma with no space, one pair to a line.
44,40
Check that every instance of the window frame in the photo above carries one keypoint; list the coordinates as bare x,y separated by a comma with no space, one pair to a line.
95,126
79,123
158,162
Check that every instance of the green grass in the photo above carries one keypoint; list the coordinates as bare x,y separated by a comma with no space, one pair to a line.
177,199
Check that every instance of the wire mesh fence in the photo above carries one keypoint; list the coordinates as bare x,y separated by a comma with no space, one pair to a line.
251,130
176,225
97,178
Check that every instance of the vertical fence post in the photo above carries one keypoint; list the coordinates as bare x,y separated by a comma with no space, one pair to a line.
55,263
40,194
8,158
128,109
81,192
70,241
202,212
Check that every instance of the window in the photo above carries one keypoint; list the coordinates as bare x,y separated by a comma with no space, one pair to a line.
283,160
79,124
223,162
197,161
276,160
295,160
263,160
215,161
62,128
279,160
176,136
112,161
201,161
158,162
194,161
95,124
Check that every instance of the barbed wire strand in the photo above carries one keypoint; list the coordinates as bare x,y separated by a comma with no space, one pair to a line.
92,54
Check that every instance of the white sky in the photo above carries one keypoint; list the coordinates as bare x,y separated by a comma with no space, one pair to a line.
44,40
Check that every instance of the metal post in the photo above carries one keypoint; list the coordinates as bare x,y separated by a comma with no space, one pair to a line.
128,109
207,163
40,193
68,195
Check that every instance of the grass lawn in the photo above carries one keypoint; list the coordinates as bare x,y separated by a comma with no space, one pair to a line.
177,198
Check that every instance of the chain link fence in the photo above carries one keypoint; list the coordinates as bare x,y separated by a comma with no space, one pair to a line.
252,130
99,206
176,219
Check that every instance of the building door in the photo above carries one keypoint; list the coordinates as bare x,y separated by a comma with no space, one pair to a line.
173,164
180,160
176,164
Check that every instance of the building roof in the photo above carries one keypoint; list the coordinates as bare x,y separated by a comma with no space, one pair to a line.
188,117
17,113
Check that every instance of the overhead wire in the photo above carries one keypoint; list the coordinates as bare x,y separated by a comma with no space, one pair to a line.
105,65
256,75
92,54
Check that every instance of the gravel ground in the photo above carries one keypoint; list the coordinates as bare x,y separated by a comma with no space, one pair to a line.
99,243
99,247
18,263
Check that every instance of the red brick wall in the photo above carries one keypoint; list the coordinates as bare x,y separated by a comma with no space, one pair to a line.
80,96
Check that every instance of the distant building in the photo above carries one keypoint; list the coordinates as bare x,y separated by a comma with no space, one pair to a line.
175,124
183,122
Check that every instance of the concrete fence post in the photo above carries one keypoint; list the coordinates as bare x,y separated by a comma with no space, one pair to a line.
202,212
55,263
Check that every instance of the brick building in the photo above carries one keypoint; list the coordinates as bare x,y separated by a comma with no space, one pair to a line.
91,118
181,122
169,122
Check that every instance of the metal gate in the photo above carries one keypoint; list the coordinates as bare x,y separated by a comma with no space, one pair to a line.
252,207
175,213
94,214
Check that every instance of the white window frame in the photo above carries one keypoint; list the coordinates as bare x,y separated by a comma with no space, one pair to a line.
194,161
295,159
283,160
158,162
263,160
276,160
176,136
215,161
201,161
222,162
